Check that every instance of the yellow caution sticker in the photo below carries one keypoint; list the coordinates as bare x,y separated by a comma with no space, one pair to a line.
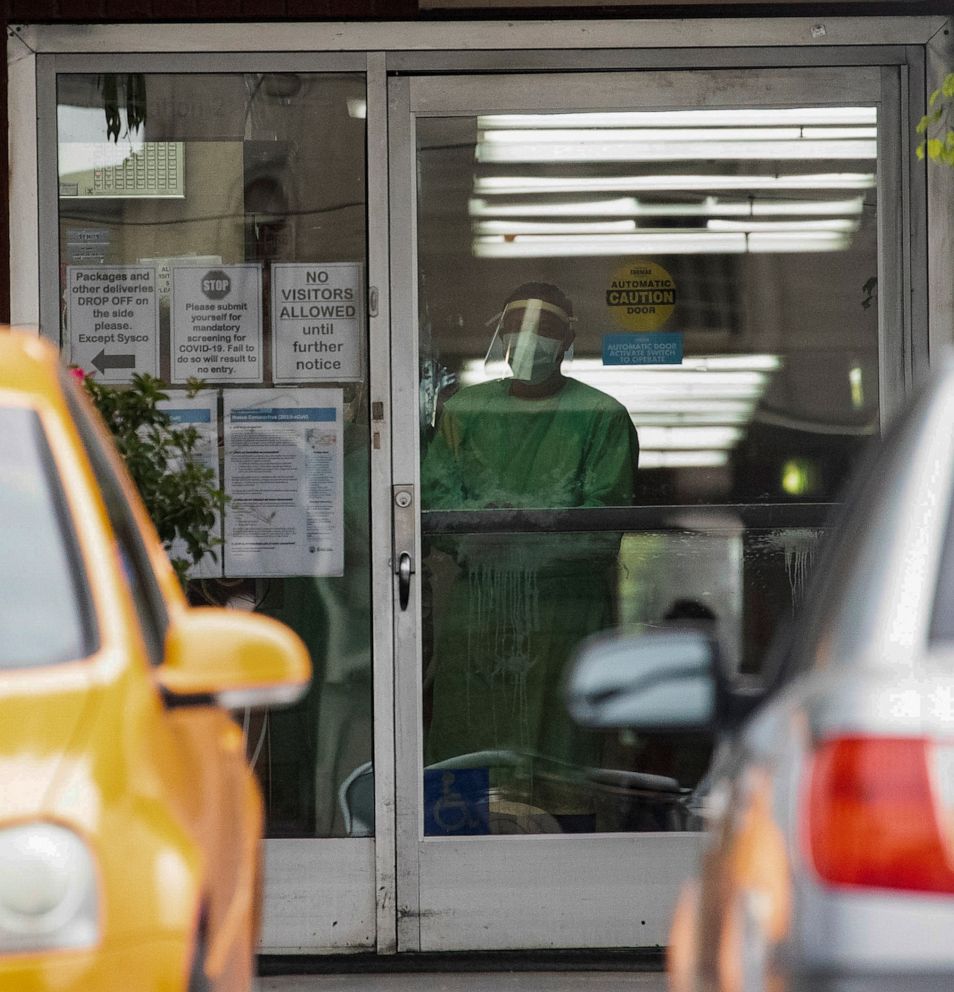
641,295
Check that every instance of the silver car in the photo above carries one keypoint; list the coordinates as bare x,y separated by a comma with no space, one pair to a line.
829,858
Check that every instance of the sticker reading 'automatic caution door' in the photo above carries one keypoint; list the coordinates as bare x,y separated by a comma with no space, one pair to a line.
641,295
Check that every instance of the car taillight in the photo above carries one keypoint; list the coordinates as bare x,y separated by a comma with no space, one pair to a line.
873,815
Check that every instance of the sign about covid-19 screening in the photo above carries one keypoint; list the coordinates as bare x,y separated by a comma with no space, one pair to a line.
113,320
317,321
216,323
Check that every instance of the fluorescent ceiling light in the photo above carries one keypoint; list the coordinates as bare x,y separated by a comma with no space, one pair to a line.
699,242
519,185
683,459
742,383
674,418
793,242
664,151
507,227
713,438
687,118
826,224
703,136
629,206
768,207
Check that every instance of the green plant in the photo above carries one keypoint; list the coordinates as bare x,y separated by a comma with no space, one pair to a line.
938,141
178,490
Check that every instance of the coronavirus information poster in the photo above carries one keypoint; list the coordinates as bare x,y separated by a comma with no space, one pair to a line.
284,476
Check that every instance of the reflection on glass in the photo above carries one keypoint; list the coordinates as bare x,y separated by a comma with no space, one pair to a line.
164,172
759,223
721,265
508,613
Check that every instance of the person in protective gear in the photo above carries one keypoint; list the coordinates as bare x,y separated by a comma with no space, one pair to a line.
522,602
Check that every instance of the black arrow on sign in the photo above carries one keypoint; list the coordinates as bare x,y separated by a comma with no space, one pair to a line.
103,361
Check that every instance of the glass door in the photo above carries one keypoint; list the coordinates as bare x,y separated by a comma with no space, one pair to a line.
638,342
212,233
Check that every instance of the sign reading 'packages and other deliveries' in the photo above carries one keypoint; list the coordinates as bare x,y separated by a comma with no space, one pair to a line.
113,320
641,295
317,321
217,323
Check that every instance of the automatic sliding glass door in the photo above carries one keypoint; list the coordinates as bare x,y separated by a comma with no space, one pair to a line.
647,353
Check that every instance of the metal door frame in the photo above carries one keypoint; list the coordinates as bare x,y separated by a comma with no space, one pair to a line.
453,892
321,894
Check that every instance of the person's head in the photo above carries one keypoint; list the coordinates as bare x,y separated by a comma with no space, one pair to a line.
537,329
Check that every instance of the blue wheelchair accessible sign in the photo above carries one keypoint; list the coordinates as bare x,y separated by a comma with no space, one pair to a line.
455,801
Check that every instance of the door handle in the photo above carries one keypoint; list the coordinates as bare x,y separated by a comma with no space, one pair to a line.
405,571
403,539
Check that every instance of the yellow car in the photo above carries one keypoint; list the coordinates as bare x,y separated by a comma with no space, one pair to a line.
130,821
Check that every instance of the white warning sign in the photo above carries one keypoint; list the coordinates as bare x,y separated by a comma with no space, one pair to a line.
317,321
113,320
217,323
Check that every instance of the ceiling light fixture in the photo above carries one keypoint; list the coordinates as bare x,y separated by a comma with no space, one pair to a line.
714,117
664,151
629,206
520,185
699,242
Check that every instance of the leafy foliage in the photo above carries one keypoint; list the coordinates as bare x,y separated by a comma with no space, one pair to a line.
938,141
179,491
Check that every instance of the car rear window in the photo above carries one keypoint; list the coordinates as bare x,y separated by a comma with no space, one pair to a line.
44,612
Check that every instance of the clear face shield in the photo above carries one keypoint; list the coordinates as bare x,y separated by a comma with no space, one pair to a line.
529,342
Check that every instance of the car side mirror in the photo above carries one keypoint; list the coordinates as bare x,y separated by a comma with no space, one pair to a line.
663,680
240,659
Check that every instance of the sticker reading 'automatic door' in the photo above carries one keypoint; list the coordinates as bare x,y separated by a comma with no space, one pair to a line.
217,323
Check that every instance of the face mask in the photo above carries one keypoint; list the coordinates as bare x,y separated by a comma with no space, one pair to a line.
532,359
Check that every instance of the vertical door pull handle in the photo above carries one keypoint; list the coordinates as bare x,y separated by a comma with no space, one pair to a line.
405,570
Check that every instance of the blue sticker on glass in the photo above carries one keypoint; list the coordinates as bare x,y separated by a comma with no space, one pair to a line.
455,802
653,348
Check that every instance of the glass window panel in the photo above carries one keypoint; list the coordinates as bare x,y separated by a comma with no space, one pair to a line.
696,287
208,184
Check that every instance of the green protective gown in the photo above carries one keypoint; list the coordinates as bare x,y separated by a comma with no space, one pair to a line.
520,603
